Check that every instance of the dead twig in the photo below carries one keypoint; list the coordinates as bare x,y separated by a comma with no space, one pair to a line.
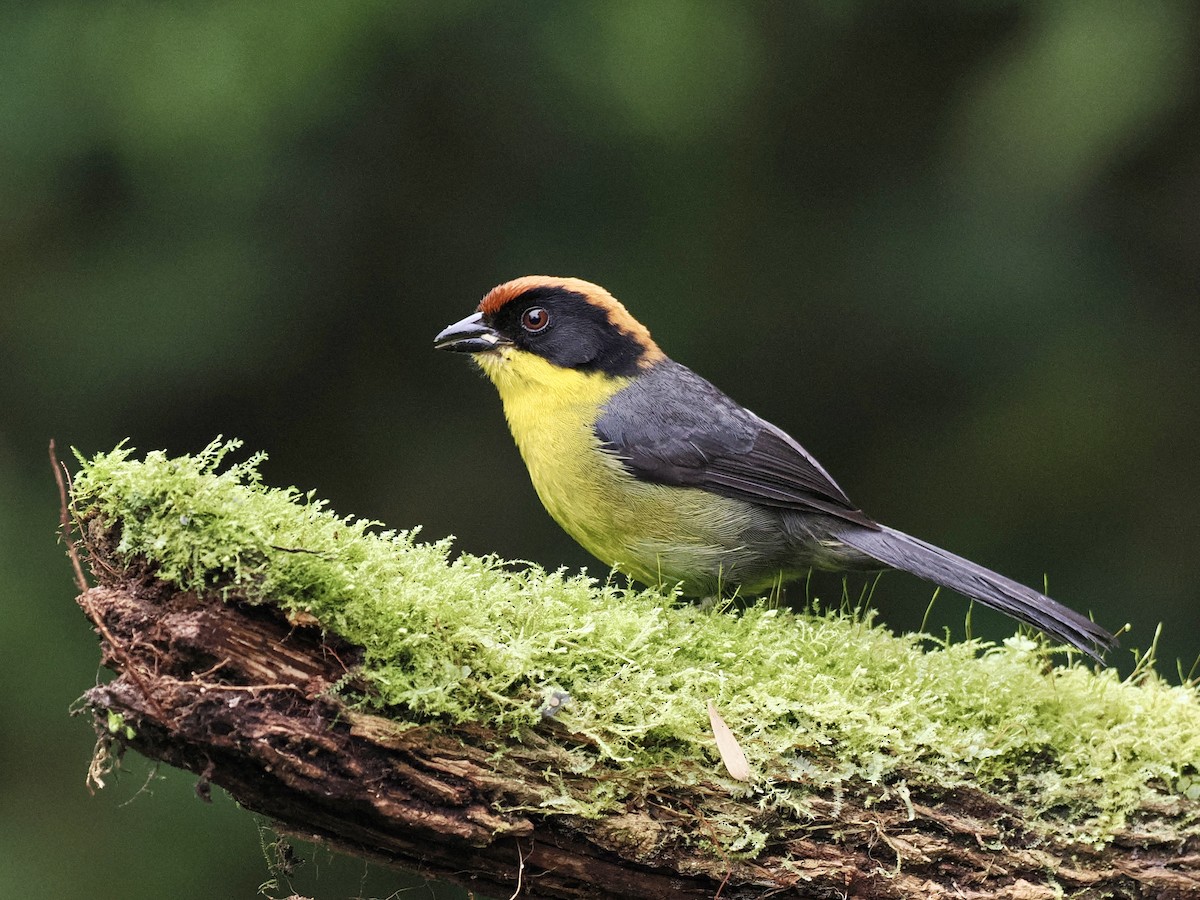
66,522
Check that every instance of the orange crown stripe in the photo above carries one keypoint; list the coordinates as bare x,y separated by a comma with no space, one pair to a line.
503,294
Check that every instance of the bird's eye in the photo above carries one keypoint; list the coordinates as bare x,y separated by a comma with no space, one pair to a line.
535,319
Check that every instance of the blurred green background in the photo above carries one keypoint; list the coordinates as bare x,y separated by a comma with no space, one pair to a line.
952,247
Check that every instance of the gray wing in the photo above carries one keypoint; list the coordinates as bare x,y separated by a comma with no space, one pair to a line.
670,426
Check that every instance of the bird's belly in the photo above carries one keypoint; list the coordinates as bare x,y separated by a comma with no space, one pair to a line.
659,534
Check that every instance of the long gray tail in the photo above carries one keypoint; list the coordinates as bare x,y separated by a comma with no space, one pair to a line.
901,551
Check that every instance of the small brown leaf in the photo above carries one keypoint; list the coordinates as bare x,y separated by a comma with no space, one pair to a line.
731,751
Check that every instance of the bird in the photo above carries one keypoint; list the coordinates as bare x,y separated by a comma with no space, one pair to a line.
662,476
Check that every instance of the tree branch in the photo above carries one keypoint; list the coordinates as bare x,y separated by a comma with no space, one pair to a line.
240,696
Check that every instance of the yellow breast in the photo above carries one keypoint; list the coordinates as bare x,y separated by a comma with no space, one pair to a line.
551,412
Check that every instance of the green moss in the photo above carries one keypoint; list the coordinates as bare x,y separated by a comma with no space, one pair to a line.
117,726
818,701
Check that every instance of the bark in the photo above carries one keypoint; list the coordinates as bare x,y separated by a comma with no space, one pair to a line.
240,696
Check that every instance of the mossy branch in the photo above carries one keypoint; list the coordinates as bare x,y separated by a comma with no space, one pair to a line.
358,687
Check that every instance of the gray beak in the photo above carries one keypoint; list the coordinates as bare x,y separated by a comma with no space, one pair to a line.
469,336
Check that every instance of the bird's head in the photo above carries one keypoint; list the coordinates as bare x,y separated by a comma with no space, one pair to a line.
526,325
